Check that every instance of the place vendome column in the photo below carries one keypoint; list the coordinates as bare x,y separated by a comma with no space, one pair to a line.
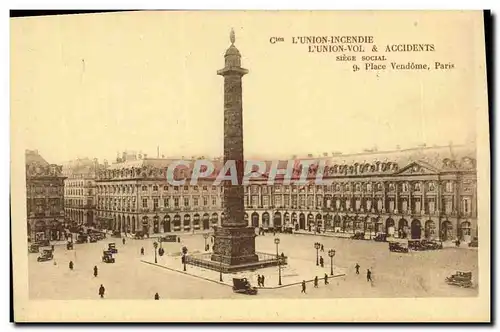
234,241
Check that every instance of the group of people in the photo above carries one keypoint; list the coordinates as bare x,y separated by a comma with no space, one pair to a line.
316,283
260,280
368,272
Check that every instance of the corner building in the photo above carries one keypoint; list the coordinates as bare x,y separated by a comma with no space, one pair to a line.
425,192
44,198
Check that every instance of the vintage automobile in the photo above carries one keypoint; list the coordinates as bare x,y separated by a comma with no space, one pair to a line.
107,256
474,243
461,279
69,245
415,245
358,236
112,248
398,247
116,234
34,248
168,238
82,238
46,255
43,243
380,237
431,245
139,235
242,286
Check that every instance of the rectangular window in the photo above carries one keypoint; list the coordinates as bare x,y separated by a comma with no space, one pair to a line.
205,188
155,204
302,200
255,200
418,206
380,205
358,204
319,201
186,188
294,200
186,201
265,200
448,206
310,200
195,188
391,205
368,204
287,200
144,203
404,205
195,201
214,201
176,188
205,200
277,200
432,205
165,188
176,201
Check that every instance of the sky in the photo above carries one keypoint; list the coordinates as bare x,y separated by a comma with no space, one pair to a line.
94,85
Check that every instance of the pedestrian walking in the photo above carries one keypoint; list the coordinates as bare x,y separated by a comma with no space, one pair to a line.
53,247
95,271
258,280
368,275
321,261
123,240
357,268
157,297
71,265
101,291
303,287
316,282
142,250
322,248
326,279
262,280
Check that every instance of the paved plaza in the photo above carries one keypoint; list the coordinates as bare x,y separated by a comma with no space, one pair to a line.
416,274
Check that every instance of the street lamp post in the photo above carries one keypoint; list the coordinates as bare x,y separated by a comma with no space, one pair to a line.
277,241
155,244
317,245
205,236
331,253
220,269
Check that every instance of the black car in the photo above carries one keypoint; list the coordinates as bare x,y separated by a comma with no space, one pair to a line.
380,237
358,236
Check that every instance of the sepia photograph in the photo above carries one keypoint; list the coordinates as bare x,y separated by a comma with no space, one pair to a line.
312,166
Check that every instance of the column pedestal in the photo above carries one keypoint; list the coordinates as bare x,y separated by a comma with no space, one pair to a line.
236,246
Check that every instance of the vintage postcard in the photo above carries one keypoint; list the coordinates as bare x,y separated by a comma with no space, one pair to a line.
305,166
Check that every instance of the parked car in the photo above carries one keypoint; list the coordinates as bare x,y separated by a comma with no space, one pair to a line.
474,243
82,238
415,245
43,243
34,248
461,279
431,245
358,236
398,247
380,237
46,255
139,235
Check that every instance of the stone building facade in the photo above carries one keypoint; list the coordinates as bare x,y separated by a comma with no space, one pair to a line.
426,192
44,198
80,191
